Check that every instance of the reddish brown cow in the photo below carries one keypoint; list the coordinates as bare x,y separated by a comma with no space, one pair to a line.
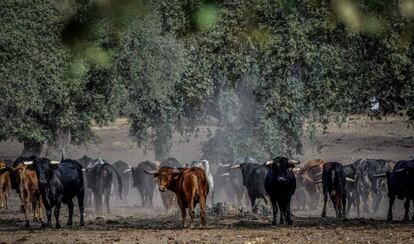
26,179
4,187
307,175
190,187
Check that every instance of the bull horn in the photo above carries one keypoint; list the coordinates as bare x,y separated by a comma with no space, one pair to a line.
318,181
296,169
380,175
54,162
126,171
350,179
224,165
83,169
269,162
294,161
398,170
225,174
237,166
151,172
28,162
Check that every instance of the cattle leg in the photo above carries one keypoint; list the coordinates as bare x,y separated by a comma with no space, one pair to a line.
192,213
275,209
70,208
203,211
407,209
107,195
325,199
26,207
391,202
150,195
377,200
288,212
57,212
343,198
98,200
412,219
81,208
142,195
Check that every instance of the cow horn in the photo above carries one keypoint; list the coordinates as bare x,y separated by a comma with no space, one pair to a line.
151,172
269,162
350,179
235,166
126,171
380,175
83,169
28,162
54,162
225,174
318,181
224,165
294,161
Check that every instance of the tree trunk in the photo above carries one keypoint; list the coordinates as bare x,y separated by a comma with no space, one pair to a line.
32,149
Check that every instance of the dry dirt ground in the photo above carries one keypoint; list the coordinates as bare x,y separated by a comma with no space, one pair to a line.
128,223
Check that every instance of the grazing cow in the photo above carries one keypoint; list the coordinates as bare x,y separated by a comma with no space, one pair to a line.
99,177
25,181
253,176
333,181
306,176
168,198
280,185
144,182
190,187
400,182
60,182
4,186
368,185
122,167
86,161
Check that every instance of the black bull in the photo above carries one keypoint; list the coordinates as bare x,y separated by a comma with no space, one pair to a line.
60,182
99,177
253,176
400,182
144,182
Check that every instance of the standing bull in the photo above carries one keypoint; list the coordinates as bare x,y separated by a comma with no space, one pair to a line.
144,182
4,186
24,180
369,185
122,168
280,184
334,184
60,182
204,164
253,176
86,161
190,187
168,198
400,183
99,178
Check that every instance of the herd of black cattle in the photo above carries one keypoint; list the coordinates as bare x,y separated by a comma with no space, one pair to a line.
40,182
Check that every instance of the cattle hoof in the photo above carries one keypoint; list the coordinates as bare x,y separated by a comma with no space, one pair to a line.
57,226
290,222
82,224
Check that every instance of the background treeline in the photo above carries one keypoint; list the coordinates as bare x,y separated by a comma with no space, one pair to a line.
255,69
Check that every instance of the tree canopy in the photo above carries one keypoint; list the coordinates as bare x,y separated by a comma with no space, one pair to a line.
258,69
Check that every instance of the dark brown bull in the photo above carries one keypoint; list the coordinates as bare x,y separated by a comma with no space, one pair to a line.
190,187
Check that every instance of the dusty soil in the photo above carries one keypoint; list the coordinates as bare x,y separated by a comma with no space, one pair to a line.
357,138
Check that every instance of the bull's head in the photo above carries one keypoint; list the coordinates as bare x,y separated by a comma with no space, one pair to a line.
43,170
166,176
281,163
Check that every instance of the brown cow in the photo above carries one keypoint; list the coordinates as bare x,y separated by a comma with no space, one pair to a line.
27,183
307,176
4,187
190,187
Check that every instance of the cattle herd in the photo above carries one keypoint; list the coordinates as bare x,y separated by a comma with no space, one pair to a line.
43,184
